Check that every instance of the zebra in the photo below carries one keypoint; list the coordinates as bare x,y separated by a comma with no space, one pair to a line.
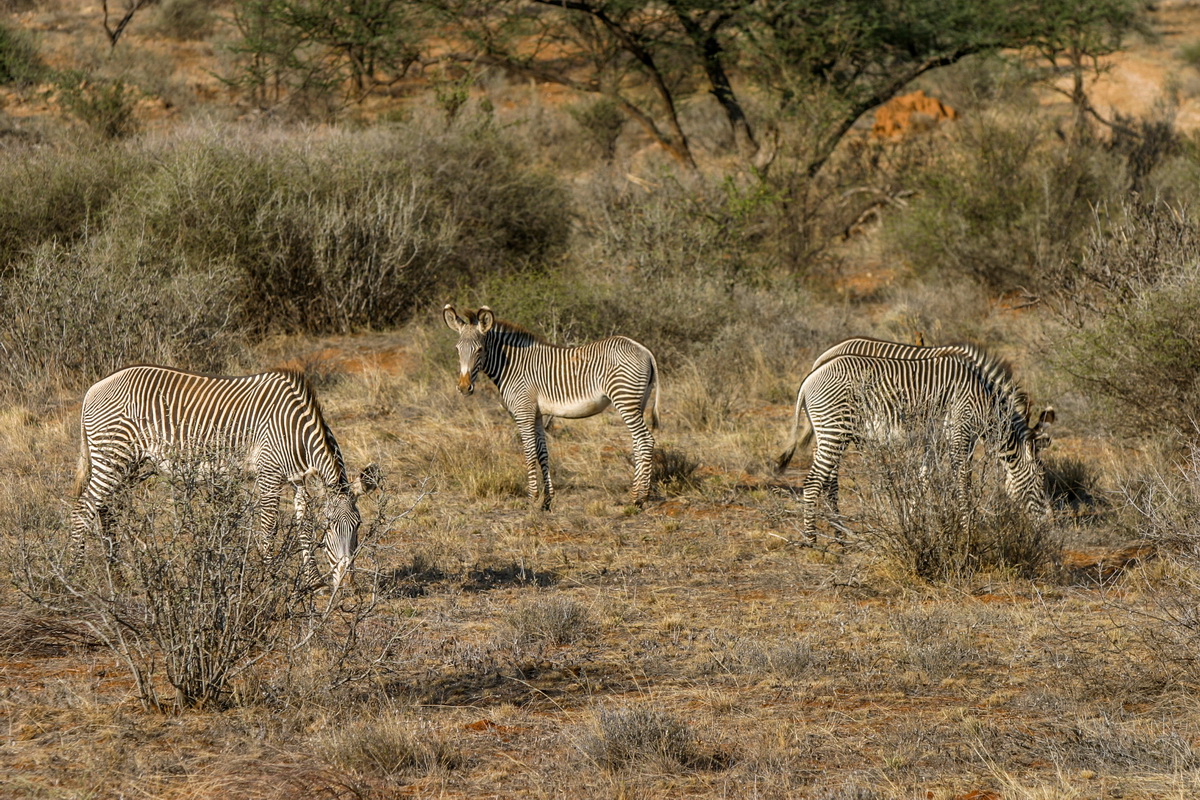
538,379
852,397
996,371
271,422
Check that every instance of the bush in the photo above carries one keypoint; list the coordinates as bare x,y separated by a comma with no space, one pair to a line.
550,620
1132,304
19,59
1004,205
58,195
391,747
912,515
601,121
71,316
180,586
185,19
625,737
105,107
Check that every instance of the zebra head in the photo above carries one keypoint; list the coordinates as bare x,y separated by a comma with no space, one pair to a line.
341,520
1026,480
472,333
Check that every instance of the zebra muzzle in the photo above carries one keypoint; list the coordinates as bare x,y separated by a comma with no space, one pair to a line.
466,385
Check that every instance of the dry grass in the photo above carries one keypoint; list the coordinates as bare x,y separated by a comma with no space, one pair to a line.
600,651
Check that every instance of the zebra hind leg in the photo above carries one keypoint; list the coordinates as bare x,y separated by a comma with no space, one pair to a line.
821,480
643,451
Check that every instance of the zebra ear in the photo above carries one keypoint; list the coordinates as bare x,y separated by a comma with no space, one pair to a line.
453,321
367,480
1048,416
1041,438
486,319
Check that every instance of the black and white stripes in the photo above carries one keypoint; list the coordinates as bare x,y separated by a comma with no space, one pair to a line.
848,397
270,422
537,379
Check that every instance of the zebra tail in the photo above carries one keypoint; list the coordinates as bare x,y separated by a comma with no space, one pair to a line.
797,439
657,393
83,470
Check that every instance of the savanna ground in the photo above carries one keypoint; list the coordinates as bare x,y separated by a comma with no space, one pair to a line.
688,648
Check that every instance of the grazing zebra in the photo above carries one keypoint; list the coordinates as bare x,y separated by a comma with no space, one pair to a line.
852,397
271,420
995,370
537,379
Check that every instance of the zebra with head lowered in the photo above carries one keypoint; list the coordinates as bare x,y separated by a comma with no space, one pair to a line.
852,397
537,379
271,422
994,370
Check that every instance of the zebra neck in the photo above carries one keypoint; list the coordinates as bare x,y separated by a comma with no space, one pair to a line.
505,349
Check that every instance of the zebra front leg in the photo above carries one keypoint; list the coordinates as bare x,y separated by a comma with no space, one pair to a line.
103,477
305,531
269,489
643,452
537,459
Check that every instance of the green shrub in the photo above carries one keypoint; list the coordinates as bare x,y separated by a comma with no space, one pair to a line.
601,121
19,59
1004,205
1132,301
105,107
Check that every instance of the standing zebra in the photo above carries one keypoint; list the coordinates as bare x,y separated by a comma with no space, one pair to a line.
271,420
851,397
537,378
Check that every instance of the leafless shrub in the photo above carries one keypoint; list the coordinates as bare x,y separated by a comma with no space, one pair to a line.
935,643
550,619
625,737
180,588
912,513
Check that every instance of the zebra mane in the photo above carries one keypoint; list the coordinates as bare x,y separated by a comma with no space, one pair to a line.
513,332
998,373
301,385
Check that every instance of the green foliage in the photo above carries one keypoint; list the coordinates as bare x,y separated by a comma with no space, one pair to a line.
19,59
601,121
1133,303
1003,206
298,51
105,107
1190,54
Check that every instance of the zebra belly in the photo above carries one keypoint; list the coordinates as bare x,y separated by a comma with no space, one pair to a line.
573,409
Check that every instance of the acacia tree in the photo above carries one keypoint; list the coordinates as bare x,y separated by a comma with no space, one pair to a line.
302,46
840,57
